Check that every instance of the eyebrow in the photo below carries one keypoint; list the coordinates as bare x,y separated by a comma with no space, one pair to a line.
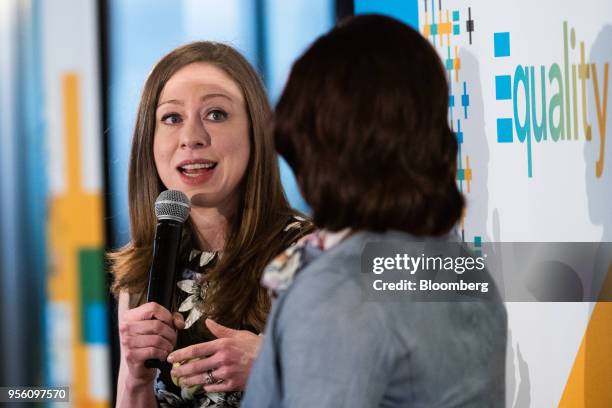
202,99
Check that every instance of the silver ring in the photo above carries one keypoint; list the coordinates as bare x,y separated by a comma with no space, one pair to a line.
210,380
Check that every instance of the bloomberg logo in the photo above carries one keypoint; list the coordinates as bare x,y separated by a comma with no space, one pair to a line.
563,112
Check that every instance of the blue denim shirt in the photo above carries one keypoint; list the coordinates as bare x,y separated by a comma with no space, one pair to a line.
324,346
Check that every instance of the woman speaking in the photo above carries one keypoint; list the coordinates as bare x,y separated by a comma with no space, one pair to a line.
201,129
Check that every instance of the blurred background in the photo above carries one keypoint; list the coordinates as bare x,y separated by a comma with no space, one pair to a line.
71,73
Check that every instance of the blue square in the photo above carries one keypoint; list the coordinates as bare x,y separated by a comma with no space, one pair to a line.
95,329
451,101
504,130
456,15
449,64
406,11
460,174
501,44
503,87
459,136
456,29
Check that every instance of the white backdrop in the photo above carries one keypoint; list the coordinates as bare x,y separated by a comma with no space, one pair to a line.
564,199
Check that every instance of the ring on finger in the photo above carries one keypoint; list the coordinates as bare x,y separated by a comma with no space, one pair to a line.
210,378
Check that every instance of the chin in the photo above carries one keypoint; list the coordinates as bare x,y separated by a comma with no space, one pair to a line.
214,199
204,199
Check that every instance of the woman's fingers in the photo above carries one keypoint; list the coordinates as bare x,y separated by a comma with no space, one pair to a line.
195,371
222,380
139,355
229,359
158,327
150,311
149,340
199,350
179,322
198,366
148,332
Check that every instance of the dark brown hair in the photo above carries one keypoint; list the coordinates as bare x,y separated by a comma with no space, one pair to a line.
235,297
363,123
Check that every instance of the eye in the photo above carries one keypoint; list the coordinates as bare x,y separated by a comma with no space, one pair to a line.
216,115
171,118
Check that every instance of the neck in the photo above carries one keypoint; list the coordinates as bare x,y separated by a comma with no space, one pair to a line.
212,226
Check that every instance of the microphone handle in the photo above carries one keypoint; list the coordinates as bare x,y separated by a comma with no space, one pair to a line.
162,275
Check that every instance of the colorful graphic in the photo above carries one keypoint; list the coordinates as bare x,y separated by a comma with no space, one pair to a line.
528,102
442,32
556,89
76,310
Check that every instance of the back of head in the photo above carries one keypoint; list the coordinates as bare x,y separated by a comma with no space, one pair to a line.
363,123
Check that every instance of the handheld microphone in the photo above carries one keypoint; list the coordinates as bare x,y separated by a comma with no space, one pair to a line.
171,209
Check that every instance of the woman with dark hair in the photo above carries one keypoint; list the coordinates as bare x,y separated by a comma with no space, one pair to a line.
363,124
202,128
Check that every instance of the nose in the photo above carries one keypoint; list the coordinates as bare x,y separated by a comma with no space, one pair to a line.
194,134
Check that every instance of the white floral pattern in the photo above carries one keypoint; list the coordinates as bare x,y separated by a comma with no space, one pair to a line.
196,288
169,394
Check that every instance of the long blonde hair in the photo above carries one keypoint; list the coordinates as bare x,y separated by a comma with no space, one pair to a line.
235,297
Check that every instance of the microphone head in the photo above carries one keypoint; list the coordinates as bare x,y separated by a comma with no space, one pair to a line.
172,205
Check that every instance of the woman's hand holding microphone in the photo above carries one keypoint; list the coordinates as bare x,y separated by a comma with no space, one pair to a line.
148,331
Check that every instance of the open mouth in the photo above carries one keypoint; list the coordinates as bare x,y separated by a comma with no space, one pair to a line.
196,168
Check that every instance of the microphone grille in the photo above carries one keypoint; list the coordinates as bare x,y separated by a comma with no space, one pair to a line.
172,205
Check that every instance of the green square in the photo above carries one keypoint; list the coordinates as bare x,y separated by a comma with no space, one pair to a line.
456,15
92,277
93,292
456,29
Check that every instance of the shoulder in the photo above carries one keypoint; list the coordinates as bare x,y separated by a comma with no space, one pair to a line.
328,292
325,309
334,287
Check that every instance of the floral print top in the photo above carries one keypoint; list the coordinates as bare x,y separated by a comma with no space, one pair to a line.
191,292
192,289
